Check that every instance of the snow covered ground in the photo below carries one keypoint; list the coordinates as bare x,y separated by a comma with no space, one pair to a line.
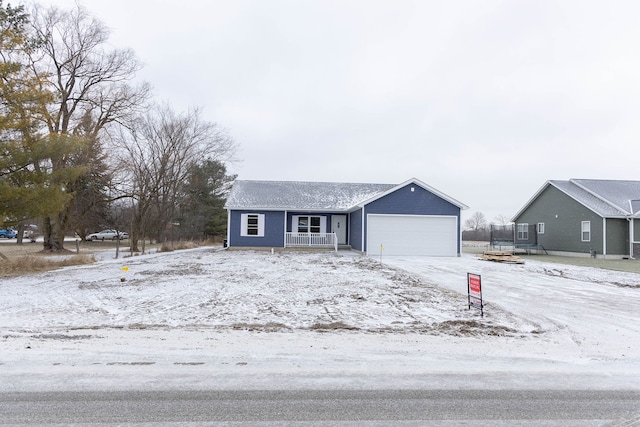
214,319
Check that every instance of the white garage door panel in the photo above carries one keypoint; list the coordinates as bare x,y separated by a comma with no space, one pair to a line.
412,235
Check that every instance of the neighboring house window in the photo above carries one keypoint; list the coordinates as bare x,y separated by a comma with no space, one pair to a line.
309,224
252,225
586,231
541,228
523,231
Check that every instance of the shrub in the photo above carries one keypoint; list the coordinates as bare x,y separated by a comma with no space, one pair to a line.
38,263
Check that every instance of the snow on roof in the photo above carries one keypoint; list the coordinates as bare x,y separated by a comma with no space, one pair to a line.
607,198
617,193
246,194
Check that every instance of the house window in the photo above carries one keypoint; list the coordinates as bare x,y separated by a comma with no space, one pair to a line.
314,222
523,231
586,231
252,225
309,224
541,228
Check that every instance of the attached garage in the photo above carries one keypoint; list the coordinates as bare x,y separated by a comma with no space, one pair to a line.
412,235
408,219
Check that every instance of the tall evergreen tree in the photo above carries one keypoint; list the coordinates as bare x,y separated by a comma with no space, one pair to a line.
202,208
28,188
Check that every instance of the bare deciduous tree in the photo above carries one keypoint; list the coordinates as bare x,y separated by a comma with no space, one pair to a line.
502,220
159,154
476,222
92,91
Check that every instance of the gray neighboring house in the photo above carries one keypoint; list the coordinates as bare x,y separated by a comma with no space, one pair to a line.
582,217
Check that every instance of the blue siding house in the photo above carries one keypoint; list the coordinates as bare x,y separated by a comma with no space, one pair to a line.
410,218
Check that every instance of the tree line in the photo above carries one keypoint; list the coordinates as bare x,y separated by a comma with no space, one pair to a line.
82,147
478,228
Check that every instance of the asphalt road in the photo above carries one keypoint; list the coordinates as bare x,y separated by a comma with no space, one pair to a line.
326,408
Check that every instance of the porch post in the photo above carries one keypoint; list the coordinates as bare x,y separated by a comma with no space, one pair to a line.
604,236
362,236
284,231
631,234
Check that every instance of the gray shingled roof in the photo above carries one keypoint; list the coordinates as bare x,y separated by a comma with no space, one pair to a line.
607,198
290,195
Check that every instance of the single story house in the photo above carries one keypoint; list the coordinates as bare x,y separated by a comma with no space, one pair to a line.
583,217
411,218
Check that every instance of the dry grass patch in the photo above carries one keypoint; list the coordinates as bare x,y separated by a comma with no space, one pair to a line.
322,327
266,327
175,246
39,263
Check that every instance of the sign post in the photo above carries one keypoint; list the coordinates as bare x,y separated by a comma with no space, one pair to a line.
474,292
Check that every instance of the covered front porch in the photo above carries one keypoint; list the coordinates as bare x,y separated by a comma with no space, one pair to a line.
319,240
315,230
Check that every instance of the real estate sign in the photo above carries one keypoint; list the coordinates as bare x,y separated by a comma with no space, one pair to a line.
474,292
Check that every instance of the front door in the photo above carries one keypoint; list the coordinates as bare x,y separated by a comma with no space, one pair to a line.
339,226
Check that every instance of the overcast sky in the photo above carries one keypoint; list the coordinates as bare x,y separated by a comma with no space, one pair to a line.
483,100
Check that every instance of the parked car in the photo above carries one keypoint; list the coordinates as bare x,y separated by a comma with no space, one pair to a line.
29,235
108,235
30,232
8,233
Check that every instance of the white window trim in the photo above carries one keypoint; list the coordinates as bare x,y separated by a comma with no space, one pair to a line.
524,233
294,222
585,227
541,228
244,225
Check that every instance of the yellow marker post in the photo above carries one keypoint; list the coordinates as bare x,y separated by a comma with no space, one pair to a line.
125,269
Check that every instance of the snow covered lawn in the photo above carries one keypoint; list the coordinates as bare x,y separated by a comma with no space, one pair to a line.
208,318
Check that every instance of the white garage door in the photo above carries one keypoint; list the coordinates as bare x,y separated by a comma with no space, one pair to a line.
412,235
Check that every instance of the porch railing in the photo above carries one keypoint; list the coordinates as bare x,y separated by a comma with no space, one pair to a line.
311,239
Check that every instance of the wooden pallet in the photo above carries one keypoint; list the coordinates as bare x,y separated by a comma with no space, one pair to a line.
499,256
